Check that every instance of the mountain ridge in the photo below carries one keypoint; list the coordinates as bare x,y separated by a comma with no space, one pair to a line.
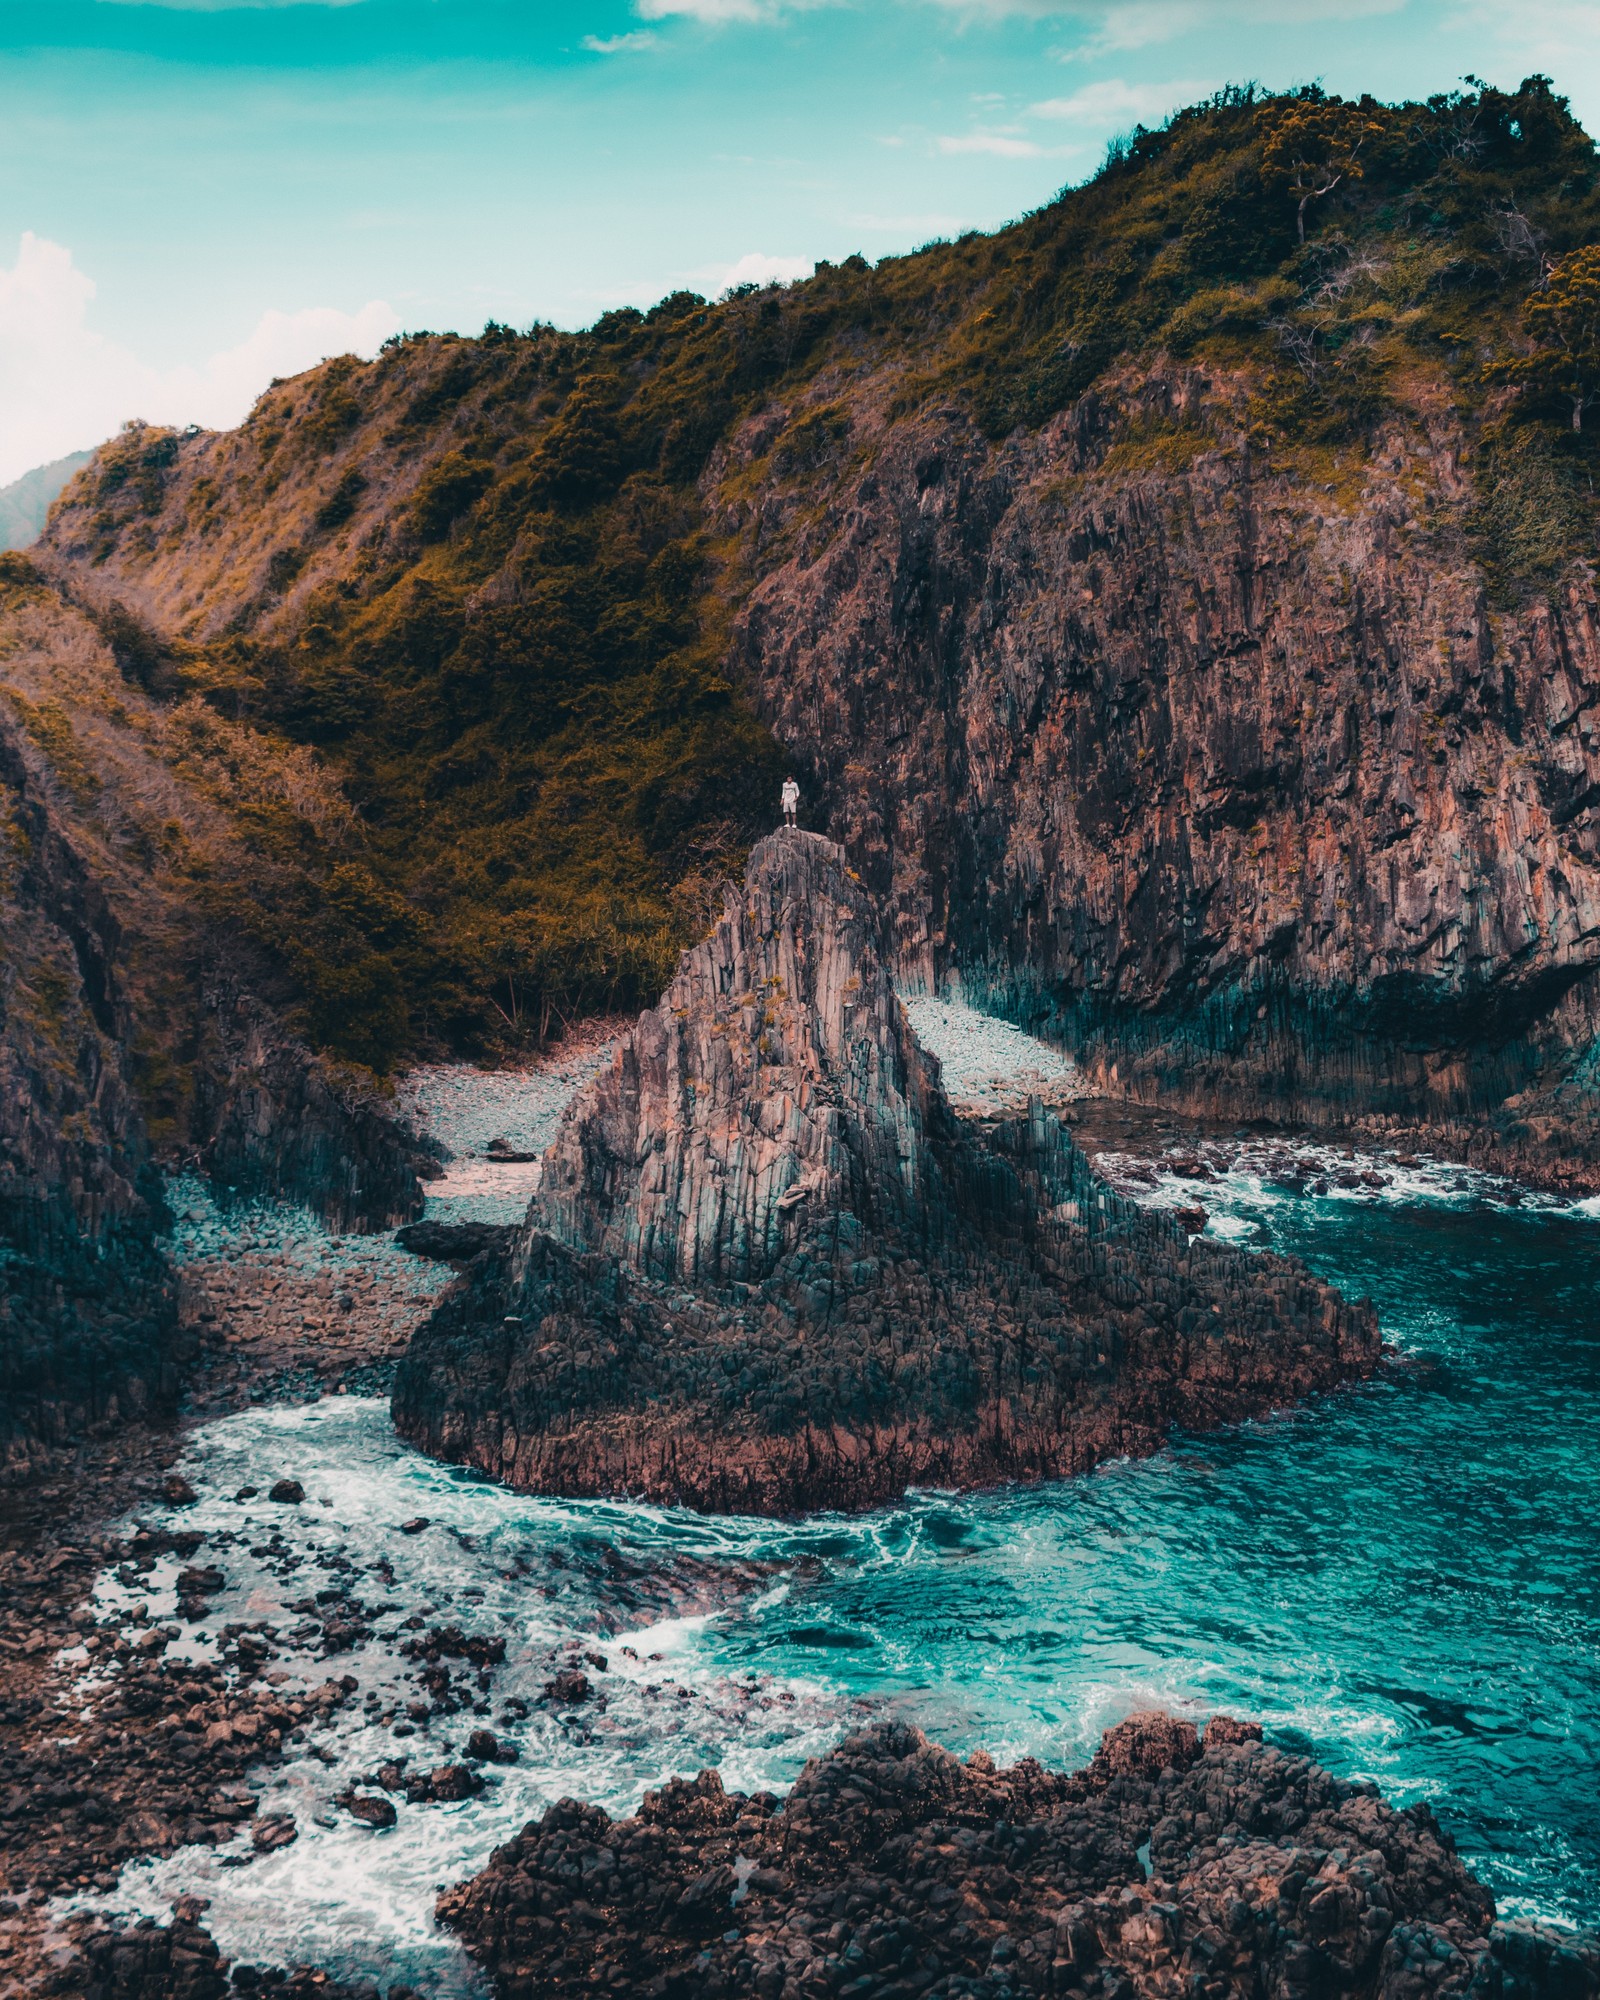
1187,627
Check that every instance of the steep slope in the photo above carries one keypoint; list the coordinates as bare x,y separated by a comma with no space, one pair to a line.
767,1270
1238,782
87,1304
1181,604
134,1028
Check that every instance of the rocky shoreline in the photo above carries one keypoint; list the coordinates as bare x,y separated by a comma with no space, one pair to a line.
305,1341
892,1871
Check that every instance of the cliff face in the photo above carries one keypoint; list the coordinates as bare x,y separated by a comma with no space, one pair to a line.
87,1304
1232,778
1188,634
129,1037
893,1868
767,1270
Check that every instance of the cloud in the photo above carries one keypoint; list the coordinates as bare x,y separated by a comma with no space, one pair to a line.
63,386
709,10
1116,102
1002,144
756,268
616,45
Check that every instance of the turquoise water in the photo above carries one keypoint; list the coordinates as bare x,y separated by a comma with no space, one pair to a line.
1403,1579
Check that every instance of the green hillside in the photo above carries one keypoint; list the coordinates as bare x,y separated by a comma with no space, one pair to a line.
492,581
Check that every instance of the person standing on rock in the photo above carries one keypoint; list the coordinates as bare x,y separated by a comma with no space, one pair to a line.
791,801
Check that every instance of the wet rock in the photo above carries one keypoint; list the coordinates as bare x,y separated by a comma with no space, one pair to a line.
892,1869
177,1492
371,1808
769,1270
268,1835
414,1527
444,1785
484,1746
287,1492
449,1642
568,1688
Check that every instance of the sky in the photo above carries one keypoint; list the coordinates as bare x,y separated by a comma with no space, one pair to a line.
198,195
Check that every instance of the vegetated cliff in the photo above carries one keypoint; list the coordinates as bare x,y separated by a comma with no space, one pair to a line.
87,1304
1232,778
768,1270
1181,604
892,1869
127,1033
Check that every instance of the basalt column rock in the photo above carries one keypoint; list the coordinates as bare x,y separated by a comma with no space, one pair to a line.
768,1269
893,1869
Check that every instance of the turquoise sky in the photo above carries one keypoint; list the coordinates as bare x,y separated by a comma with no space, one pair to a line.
215,192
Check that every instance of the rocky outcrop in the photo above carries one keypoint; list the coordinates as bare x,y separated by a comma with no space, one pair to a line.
272,1118
88,1323
1168,1867
767,1269
1232,779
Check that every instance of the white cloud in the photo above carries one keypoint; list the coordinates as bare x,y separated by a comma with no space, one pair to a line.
63,386
708,10
616,45
1118,103
1002,144
756,268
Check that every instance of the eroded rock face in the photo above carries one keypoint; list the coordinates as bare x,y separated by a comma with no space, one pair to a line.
1236,778
768,1270
893,1869
275,1119
88,1312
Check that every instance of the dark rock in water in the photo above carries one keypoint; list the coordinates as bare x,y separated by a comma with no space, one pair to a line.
486,1748
768,1269
453,1242
568,1688
445,1785
414,1527
268,1835
371,1808
177,1492
893,1870
287,1492
179,1961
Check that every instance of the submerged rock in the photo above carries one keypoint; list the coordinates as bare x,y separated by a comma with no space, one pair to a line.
768,1269
892,1869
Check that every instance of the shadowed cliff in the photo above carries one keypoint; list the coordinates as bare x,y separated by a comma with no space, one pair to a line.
768,1270
136,1031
